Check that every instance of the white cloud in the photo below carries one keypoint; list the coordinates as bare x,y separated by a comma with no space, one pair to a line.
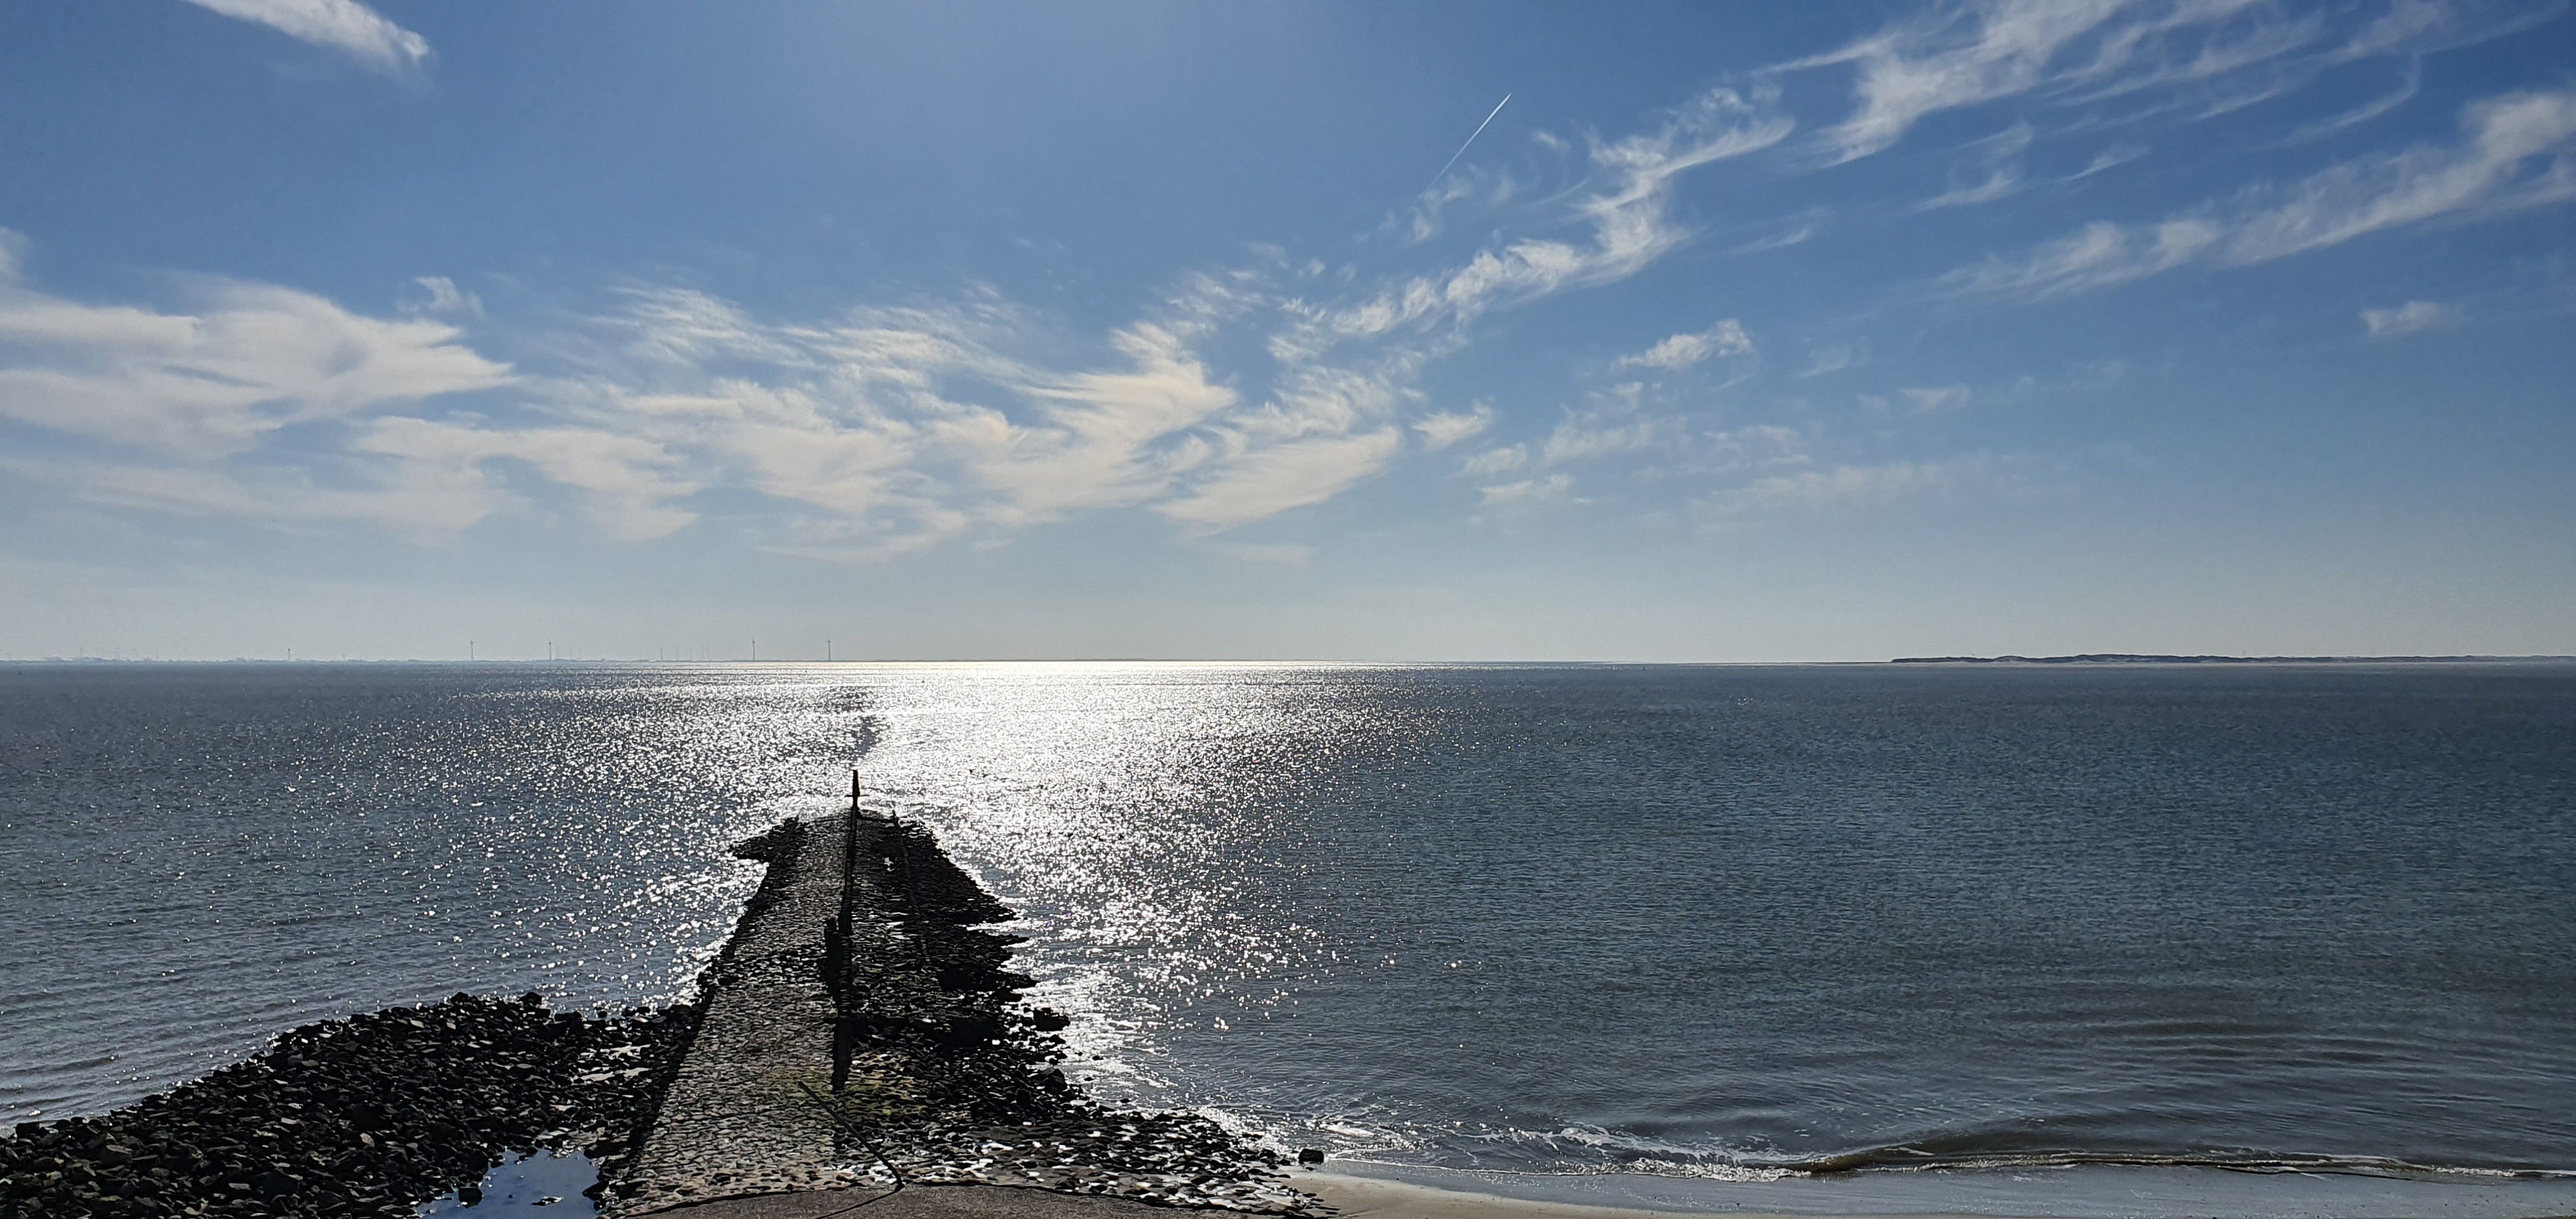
1865,485
1449,427
2408,318
1937,400
2370,194
1589,436
1495,461
1835,357
2098,255
2484,173
13,255
1999,155
2003,181
2418,27
345,26
1627,213
2407,88
627,478
252,360
1727,338
1761,445
431,502
1991,49
686,328
1423,220
1101,443
907,426
445,297
1781,240
1841,488
1528,491
1274,480
2108,158
2204,57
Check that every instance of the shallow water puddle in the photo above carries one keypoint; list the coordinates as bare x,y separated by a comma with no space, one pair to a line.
547,1183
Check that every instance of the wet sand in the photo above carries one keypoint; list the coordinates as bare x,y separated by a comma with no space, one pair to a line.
1374,1198
922,1202
1356,1198
1363,1191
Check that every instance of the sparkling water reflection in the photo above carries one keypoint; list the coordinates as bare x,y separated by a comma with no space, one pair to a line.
1687,920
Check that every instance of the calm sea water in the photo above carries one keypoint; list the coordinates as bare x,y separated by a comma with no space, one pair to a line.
1676,920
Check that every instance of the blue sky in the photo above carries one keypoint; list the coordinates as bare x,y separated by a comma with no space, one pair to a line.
1740,332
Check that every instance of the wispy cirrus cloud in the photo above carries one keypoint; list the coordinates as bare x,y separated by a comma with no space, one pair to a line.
2408,86
1726,338
1839,488
2195,58
1614,424
1998,159
1441,429
1935,400
1274,479
2514,152
1628,211
1955,57
445,298
429,503
346,26
1495,461
2409,318
627,482
2109,158
875,432
246,361
1527,491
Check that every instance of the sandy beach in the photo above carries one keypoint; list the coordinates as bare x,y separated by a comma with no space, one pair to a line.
1367,1191
1358,1197
1355,1197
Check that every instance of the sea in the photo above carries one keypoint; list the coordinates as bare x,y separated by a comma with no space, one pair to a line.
2102,939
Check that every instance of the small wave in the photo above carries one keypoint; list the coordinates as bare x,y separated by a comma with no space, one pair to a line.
1912,1159
1702,1170
1584,1150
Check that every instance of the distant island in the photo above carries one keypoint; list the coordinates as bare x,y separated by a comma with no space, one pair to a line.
2133,658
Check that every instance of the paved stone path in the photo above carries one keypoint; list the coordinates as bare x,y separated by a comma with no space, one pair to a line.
739,1117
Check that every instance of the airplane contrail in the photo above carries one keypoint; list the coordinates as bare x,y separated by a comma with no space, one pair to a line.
1471,138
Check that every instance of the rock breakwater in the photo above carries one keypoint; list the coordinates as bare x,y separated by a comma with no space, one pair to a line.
863,1031
365,1116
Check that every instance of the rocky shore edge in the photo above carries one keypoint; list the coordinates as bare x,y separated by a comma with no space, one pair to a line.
366,1116
940,1074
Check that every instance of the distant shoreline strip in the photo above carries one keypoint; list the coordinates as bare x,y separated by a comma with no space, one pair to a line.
1900,1159
2137,658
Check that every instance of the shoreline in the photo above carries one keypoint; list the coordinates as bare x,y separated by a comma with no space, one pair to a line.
1366,1190
859,1034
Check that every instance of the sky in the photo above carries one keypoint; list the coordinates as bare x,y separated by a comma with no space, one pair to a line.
1491,331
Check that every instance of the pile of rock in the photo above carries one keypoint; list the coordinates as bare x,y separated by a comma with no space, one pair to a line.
943,1076
364,1116
1175,1159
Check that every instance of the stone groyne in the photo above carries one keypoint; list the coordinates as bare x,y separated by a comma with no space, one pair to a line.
862,1031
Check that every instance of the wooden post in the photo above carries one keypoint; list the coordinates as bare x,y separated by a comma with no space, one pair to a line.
854,791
